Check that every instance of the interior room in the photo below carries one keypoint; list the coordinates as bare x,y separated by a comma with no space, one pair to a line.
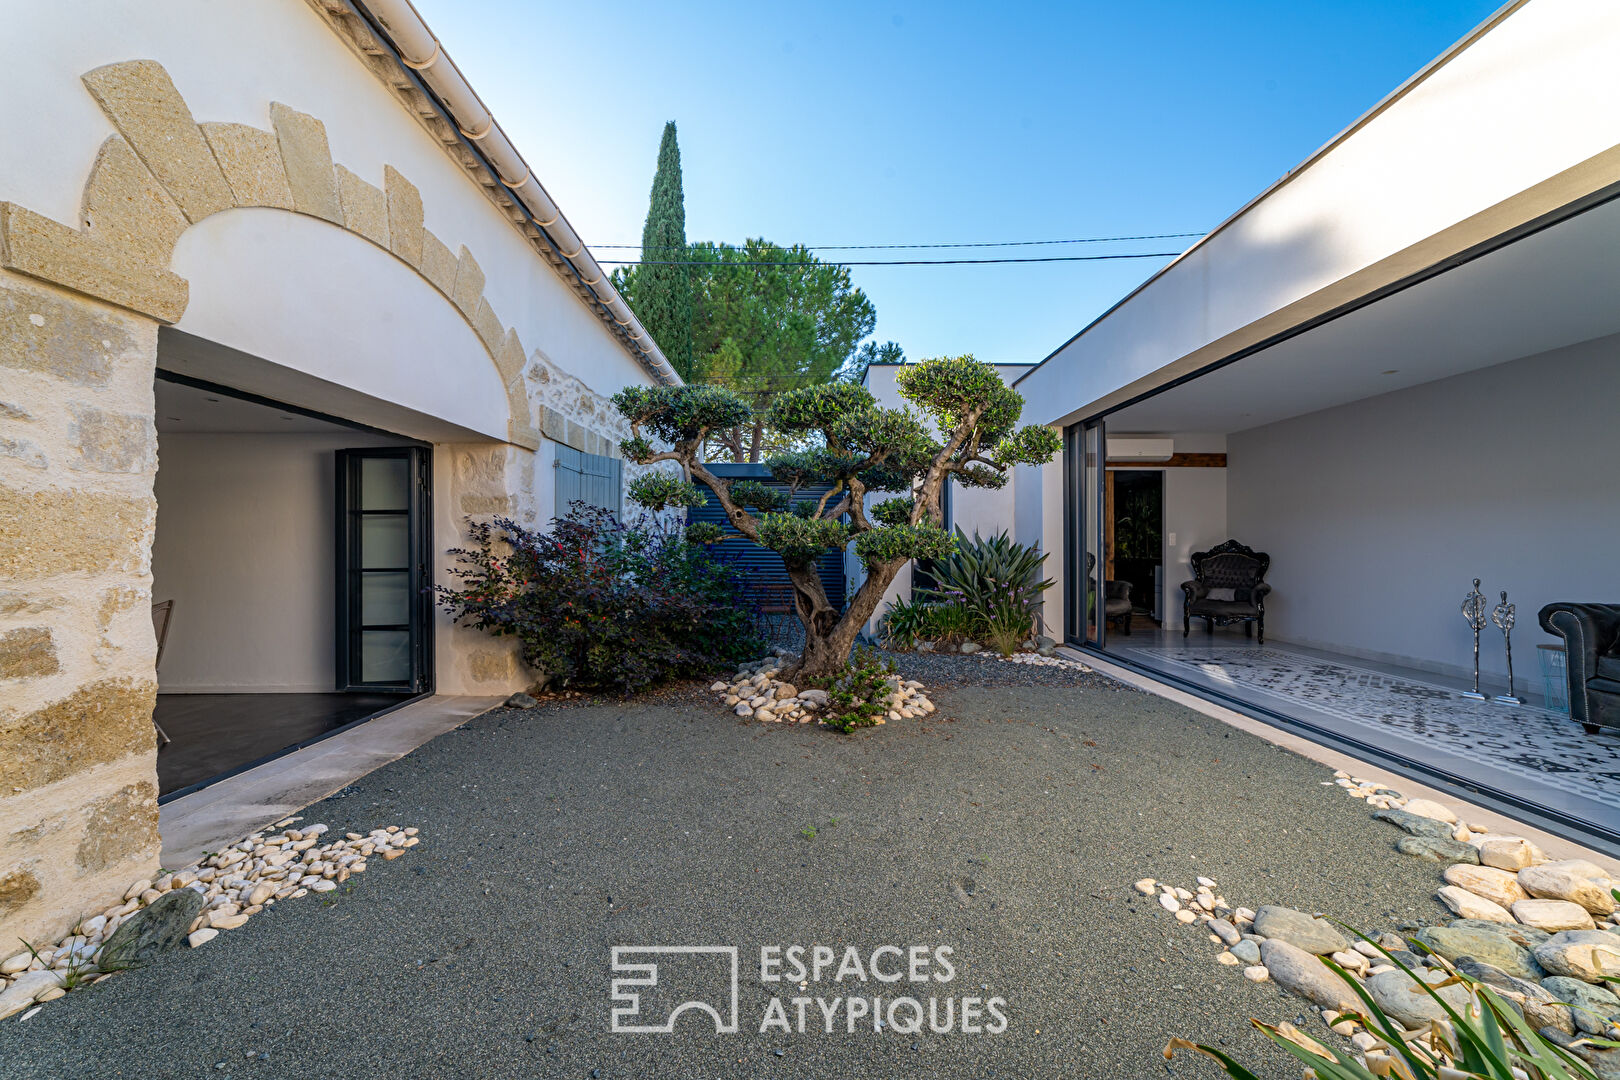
252,579
1359,477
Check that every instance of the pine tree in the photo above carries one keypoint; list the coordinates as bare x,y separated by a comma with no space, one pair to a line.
662,295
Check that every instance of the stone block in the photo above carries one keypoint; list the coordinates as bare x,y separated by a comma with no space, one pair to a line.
112,442
553,424
119,826
58,336
13,602
307,160
17,887
404,216
469,286
125,207
24,451
491,665
59,532
35,245
100,722
509,357
438,263
517,400
486,504
487,325
250,158
365,208
141,101
522,434
28,652
574,435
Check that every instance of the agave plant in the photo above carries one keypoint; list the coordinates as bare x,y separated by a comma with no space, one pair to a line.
1486,1040
904,624
997,580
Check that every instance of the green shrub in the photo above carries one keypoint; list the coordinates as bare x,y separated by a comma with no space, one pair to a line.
996,582
903,624
858,696
1487,1041
601,604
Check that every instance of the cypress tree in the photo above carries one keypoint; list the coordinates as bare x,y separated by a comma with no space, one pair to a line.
663,294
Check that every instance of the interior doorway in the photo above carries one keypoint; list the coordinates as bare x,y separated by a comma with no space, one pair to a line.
1136,537
291,578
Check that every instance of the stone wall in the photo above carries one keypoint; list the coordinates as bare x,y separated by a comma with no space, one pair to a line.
80,306
78,783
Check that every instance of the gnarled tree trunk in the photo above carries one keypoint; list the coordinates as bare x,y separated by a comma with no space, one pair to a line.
829,636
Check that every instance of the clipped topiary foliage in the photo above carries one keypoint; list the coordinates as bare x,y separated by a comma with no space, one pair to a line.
856,447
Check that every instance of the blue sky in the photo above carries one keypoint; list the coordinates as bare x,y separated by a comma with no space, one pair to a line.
852,123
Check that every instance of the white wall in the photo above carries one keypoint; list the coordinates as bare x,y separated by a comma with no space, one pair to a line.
1195,514
230,61
368,321
1521,104
245,543
1378,514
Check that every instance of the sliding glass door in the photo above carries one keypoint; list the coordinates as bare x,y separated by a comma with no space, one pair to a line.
1083,513
384,602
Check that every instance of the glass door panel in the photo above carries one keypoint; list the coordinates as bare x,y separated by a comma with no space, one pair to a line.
1091,506
384,601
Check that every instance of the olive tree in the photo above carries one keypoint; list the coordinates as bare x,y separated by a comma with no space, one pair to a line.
845,442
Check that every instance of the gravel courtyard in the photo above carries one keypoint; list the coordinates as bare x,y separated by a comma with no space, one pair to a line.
1008,826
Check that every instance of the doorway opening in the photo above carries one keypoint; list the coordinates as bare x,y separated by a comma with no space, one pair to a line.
291,591
1136,538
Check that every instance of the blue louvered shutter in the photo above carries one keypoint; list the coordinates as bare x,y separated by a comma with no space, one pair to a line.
593,479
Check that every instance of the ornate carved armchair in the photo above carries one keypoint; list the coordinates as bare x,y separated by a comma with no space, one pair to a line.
1228,586
1591,634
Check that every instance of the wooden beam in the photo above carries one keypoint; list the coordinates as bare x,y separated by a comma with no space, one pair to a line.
1176,461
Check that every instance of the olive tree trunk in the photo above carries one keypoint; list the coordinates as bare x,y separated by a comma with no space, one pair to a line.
829,636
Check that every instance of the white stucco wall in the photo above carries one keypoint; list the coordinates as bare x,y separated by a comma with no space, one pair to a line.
1195,515
1379,514
229,62
244,547
1526,101
368,321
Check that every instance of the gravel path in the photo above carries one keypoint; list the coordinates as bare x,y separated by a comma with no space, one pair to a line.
1008,826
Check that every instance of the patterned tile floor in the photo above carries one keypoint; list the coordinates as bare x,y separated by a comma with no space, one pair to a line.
1526,751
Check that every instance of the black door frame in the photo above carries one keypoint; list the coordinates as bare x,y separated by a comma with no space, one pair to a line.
419,605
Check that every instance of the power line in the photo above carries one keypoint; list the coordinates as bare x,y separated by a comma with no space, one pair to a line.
969,244
890,262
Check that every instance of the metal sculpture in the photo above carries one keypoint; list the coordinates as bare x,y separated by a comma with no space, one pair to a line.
1473,609
1502,616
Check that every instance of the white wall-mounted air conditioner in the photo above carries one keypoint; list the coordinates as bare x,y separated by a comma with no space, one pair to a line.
1124,449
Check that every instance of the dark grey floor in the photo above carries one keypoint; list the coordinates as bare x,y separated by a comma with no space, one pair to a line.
1009,827
1524,752
215,733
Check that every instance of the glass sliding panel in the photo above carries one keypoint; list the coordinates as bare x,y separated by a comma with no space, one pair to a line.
1091,527
385,541
385,656
384,605
385,483
385,599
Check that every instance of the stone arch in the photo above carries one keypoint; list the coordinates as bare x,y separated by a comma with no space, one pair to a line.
164,172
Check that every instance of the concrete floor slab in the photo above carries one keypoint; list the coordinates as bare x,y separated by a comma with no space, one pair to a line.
222,813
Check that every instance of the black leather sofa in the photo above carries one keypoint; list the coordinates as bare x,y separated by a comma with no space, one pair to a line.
1591,634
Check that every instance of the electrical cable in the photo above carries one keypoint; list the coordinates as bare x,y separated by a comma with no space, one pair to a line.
970,244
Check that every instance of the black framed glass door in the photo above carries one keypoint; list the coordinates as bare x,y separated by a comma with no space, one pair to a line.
384,602
1083,449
